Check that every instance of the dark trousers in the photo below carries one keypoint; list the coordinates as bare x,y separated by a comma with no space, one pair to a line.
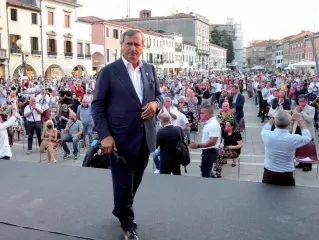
171,166
218,96
209,157
33,127
126,180
264,109
5,158
275,178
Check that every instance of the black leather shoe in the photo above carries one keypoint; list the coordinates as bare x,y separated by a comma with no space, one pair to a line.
131,235
299,166
306,169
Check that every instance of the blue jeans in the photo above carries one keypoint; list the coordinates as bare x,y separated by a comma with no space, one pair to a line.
70,138
87,129
156,160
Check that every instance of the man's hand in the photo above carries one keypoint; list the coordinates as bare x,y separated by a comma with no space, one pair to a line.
107,144
193,145
149,110
295,116
298,109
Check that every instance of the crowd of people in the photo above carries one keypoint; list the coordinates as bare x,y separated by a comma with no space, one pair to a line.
59,111
56,111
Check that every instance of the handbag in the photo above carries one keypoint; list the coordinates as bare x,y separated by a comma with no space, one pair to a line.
182,150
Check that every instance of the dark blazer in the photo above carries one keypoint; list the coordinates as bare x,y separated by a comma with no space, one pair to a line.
240,101
286,105
116,108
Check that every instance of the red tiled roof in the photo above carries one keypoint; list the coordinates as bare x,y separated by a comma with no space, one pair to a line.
174,16
20,4
91,19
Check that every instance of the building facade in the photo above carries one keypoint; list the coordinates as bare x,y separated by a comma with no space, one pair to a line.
189,57
66,41
24,25
309,49
193,27
217,57
279,57
297,47
4,44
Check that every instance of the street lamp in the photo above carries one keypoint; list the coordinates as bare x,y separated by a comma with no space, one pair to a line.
24,52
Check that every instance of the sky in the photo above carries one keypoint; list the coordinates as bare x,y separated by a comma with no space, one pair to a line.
261,20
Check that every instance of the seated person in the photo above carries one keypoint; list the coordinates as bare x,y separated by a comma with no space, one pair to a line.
72,133
230,147
49,138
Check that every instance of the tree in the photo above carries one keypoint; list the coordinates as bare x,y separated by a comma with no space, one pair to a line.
223,39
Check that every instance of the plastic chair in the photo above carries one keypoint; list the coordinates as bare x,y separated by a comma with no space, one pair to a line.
309,151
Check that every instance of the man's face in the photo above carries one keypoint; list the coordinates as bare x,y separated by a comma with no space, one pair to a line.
132,47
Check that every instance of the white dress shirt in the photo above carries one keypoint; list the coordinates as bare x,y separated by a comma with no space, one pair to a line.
43,101
36,115
280,147
211,129
135,75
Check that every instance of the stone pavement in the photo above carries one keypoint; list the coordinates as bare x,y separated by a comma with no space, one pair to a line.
252,156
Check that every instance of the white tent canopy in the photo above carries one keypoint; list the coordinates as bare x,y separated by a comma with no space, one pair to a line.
304,64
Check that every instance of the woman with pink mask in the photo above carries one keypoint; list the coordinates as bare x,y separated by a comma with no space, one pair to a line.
225,115
230,147
281,100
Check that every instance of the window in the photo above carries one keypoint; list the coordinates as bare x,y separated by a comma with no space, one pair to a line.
50,18
121,33
107,30
34,44
67,46
79,48
107,55
52,45
34,18
115,34
66,20
14,14
14,39
87,49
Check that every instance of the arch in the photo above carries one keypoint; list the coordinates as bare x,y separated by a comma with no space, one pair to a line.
53,70
79,70
32,70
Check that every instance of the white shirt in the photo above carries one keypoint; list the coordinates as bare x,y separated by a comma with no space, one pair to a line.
43,101
211,129
135,75
218,87
36,115
180,120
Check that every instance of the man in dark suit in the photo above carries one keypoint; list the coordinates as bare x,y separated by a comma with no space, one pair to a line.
126,98
167,138
238,101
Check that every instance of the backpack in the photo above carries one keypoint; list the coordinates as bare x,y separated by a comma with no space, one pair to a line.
182,150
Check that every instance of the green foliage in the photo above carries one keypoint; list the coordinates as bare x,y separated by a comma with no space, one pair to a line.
221,38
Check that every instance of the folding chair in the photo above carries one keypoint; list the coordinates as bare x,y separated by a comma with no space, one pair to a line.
309,151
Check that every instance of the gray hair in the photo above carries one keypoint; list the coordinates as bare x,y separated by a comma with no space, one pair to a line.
131,32
282,118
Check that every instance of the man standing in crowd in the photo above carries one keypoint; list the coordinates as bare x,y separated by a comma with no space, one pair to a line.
167,138
33,116
280,147
85,115
126,99
238,101
211,140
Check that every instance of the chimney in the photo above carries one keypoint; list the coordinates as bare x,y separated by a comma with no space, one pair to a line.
145,14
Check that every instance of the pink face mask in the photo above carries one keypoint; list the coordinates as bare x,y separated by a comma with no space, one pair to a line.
167,104
53,94
225,109
233,92
203,117
302,104
228,128
281,95
85,104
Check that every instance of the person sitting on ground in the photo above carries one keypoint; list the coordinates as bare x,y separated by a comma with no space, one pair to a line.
280,147
49,138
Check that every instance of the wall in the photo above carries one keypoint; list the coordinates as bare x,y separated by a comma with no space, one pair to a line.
4,69
26,30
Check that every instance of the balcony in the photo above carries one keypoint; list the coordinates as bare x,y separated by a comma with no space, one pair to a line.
3,53
191,63
203,52
68,54
52,54
87,56
80,55
16,50
36,52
